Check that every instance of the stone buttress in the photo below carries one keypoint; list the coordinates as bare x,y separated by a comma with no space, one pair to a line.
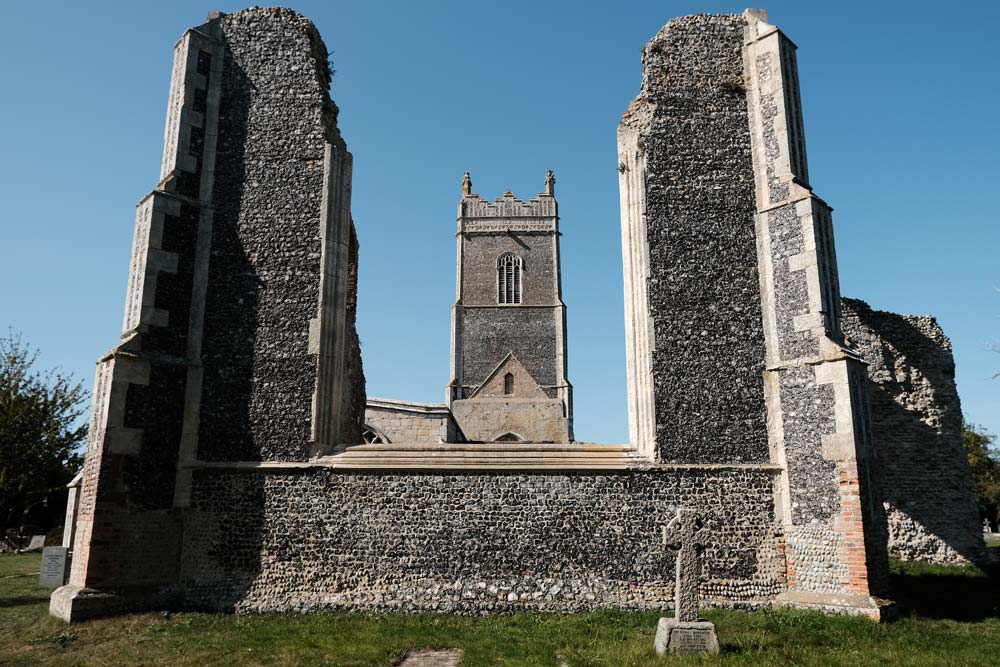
732,299
229,277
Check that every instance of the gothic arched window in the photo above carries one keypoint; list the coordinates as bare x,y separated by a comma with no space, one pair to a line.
372,436
509,278
508,384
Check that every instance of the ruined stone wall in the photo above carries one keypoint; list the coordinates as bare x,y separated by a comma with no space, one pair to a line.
819,417
473,542
414,422
353,412
237,342
917,429
690,131
128,530
264,280
733,343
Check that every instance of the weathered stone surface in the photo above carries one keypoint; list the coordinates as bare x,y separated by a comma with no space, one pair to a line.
471,543
54,567
674,636
273,180
488,331
238,338
684,633
216,474
687,534
917,430
448,657
731,280
514,419
404,421
690,128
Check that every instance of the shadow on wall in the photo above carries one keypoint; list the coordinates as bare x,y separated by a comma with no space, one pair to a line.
223,549
233,294
222,559
917,425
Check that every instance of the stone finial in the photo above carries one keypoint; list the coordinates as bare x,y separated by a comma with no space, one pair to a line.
550,183
466,185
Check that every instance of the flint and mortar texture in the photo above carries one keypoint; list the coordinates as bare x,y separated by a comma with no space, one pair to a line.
703,285
732,297
230,254
276,119
917,419
240,346
128,531
472,543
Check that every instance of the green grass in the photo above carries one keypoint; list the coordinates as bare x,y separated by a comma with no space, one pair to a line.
954,620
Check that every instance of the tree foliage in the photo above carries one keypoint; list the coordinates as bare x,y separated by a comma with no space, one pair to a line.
984,459
40,429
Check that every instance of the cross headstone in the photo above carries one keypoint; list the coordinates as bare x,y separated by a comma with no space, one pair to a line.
684,633
687,533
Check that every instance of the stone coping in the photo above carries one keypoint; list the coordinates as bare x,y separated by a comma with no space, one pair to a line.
481,457
406,406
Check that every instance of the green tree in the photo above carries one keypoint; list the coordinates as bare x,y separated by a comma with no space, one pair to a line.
984,459
40,429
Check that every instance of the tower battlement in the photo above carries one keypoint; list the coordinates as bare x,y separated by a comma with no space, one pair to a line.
542,210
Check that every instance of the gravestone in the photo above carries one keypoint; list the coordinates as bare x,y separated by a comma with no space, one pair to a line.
37,543
684,633
53,569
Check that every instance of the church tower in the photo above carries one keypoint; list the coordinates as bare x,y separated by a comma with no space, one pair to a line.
508,345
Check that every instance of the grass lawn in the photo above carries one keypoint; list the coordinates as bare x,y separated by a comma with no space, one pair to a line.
954,619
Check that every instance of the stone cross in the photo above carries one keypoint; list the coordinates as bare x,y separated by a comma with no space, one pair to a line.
687,533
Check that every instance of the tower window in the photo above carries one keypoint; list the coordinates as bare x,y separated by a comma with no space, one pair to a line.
509,278
508,384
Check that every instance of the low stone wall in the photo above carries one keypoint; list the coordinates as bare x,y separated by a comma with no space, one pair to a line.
401,421
471,543
917,429
526,419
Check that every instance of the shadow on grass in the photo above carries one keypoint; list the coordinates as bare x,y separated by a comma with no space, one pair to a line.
957,593
22,600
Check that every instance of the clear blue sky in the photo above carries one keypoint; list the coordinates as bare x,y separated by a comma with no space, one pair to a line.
901,108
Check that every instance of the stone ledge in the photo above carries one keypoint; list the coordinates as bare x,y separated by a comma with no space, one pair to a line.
438,409
479,457
877,609
76,603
